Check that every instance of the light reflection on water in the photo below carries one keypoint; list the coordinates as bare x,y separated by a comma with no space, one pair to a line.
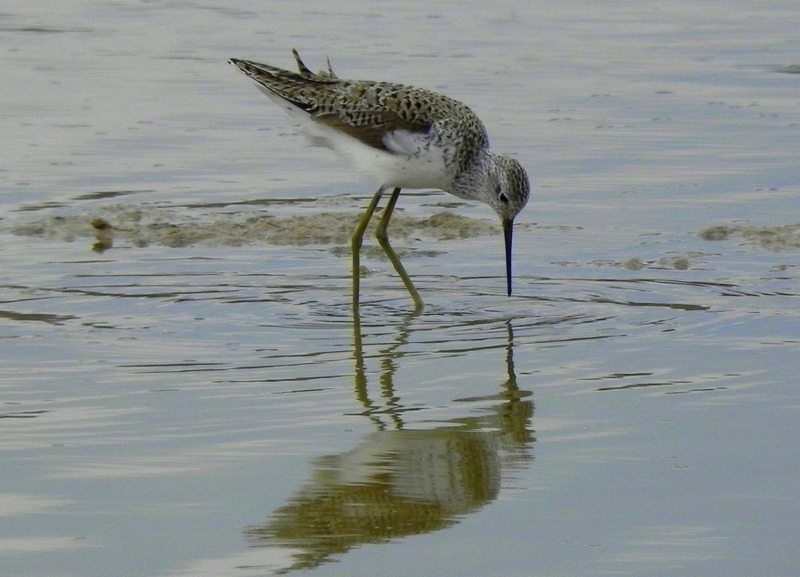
398,481
205,367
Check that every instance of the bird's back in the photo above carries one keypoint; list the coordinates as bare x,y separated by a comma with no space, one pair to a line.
369,111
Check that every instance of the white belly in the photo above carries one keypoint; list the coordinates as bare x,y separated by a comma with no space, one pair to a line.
425,168
412,164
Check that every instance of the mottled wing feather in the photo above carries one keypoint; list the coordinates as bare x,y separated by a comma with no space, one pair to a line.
371,128
297,89
301,67
368,110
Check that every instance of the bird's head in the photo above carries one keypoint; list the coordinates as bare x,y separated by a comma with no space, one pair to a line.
508,194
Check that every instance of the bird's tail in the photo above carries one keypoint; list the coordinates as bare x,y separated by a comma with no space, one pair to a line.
297,88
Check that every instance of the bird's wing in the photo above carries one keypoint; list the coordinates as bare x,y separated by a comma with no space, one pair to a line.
376,128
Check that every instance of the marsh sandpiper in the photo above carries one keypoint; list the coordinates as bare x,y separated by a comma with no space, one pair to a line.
397,136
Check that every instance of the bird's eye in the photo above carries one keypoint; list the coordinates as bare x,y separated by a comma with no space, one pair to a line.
503,198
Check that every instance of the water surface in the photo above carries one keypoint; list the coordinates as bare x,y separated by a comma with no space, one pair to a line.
186,390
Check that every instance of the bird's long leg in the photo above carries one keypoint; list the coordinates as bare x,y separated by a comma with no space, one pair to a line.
356,240
383,239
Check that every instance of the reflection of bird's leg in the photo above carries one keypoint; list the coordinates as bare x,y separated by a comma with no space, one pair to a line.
515,413
390,403
360,376
383,239
357,238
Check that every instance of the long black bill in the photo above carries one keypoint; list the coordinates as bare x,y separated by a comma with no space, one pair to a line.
508,229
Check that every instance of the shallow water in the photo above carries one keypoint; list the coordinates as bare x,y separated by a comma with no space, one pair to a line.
187,392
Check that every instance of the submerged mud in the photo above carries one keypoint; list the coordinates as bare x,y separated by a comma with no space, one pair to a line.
138,226
774,238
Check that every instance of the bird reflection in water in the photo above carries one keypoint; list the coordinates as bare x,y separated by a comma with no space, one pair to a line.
400,482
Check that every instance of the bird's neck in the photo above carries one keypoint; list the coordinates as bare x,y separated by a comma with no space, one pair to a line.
474,179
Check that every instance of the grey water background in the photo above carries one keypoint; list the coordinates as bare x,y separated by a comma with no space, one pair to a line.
194,397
